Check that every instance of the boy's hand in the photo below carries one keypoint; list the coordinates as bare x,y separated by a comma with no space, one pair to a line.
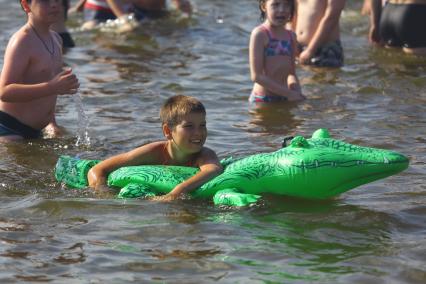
65,83
305,57
95,180
165,198
176,193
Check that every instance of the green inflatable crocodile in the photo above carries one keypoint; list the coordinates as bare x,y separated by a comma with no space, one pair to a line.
317,168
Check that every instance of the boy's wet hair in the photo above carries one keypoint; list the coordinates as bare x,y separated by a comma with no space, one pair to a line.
65,4
176,107
263,15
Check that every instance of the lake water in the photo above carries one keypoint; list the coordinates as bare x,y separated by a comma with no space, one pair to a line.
372,234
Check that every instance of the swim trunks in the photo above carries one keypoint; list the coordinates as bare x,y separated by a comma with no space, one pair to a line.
258,97
328,55
142,14
97,10
11,126
402,25
67,41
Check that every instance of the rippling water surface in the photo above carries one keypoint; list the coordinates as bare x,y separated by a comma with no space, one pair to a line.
372,234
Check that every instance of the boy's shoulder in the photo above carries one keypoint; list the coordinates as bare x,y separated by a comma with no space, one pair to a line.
206,152
22,38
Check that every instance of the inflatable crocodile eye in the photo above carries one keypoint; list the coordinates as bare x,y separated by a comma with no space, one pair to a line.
286,141
299,142
321,133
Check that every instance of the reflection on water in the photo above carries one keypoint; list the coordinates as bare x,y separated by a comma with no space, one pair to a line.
373,234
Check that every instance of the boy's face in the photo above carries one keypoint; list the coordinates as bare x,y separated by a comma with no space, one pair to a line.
43,10
191,133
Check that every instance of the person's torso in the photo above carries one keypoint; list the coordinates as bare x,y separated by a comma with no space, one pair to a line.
45,62
278,56
309,15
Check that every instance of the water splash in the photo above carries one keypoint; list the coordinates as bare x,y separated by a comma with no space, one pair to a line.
83,122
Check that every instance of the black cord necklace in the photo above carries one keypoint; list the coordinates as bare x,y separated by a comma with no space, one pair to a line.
45,45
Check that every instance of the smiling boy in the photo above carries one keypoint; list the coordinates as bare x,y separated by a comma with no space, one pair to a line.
184,127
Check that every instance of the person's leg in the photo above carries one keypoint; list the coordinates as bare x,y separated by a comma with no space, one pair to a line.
421,51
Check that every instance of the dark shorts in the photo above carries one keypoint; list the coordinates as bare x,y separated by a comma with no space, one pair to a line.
328,55
11,126
99,16
67,41
142,14
403,25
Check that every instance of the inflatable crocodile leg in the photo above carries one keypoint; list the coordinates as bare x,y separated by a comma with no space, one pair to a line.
73,171
133,190
233,197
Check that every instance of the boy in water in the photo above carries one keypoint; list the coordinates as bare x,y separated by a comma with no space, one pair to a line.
32,75
316,25
184,126
97,11
60,27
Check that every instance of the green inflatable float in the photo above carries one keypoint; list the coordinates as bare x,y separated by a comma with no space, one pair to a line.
316,168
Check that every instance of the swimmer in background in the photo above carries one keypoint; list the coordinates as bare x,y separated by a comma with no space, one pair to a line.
61,29
98,11
184,127
272,55
398,23
316,24
32,76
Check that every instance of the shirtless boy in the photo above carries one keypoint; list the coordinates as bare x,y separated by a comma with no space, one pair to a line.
32,75
316,25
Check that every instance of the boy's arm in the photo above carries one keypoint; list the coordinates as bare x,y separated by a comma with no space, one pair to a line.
257,67
210,167
330,19
146,154
16,61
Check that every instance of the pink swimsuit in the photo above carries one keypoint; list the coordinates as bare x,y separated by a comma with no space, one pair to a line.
274,47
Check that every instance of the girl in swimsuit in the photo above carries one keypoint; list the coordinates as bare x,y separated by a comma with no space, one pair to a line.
272,55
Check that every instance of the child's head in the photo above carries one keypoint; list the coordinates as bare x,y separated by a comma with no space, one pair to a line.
266,5
177,107
26,3
184,123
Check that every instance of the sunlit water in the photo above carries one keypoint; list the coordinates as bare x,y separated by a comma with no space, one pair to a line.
372,234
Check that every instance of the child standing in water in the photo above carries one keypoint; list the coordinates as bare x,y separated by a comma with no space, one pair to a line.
60,27
32,75
272,55
184,126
